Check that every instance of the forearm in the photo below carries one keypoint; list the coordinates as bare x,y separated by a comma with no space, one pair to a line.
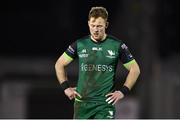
132,77
60,66
60,73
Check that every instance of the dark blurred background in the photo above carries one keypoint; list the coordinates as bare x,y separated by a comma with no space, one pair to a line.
35,33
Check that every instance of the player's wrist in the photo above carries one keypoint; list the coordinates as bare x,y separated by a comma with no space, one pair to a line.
65,85
125,90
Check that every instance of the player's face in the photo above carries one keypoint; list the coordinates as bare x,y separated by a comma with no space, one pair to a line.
97,27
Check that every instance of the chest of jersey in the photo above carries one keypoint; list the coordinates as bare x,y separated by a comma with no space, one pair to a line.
105,53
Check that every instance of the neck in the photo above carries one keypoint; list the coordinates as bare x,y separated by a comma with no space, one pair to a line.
104,37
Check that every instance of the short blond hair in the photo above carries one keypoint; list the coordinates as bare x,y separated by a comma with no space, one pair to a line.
98,12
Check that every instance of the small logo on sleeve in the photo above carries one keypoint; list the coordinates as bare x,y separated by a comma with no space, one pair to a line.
71,50
123,46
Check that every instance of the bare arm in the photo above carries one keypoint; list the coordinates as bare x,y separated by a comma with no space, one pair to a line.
133,74
131,78
60,65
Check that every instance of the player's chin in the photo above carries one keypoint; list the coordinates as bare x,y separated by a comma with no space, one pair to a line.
96,37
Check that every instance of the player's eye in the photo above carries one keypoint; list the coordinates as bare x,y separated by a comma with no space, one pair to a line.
99,26
92,25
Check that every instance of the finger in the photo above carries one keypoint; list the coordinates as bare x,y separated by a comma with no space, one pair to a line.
77,94
109,98
71,97
109,94
111,101
115,101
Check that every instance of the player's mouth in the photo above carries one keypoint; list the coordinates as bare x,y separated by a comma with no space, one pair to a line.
96,34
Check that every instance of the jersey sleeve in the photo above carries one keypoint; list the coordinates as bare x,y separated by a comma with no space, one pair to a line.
125,56
71,51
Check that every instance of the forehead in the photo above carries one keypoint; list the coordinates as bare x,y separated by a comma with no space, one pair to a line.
98,20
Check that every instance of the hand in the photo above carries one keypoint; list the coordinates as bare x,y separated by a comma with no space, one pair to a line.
114,97
71,93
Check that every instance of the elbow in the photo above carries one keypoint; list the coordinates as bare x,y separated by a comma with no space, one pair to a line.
57,65
136,70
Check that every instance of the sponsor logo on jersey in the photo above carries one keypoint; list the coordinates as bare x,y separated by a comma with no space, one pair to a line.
111,54
83,53
98,67
97,48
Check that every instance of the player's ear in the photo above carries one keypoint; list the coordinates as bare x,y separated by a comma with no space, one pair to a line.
107,24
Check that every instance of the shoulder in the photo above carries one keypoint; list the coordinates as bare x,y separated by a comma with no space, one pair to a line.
79,40
83,38
114,39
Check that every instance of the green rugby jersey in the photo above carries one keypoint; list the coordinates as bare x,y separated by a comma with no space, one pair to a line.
97,65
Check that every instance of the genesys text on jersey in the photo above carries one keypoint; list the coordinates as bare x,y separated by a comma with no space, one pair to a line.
98,67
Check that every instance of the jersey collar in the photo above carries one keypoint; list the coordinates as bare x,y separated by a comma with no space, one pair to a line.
98,42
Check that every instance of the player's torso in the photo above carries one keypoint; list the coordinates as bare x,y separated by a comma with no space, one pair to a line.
97,66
